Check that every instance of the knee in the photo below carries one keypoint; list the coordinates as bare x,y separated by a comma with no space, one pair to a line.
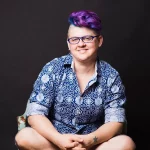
126,143
22,138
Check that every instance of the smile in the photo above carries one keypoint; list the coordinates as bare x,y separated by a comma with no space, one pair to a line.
82,50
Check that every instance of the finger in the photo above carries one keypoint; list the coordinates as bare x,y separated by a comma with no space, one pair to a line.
78,148
71,145
77,139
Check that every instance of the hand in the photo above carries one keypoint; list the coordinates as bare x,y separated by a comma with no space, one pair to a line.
88,141
68,141
78,147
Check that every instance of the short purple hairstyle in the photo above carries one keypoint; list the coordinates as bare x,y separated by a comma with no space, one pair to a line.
85,18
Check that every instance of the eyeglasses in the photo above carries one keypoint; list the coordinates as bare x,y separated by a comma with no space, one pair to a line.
85,39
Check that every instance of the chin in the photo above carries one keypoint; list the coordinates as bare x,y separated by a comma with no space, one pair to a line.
83,58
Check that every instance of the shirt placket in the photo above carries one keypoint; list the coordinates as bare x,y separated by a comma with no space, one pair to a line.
78,111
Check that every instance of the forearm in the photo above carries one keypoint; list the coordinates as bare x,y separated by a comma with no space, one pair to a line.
105,132
44,127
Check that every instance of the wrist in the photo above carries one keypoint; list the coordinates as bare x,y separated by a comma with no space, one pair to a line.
56,138
93,139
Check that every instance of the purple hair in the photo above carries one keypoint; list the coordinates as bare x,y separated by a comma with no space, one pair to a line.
85,18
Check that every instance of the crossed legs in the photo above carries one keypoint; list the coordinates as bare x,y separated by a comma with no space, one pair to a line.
120,142
29,139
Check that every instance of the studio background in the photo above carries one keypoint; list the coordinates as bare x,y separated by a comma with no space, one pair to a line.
34,32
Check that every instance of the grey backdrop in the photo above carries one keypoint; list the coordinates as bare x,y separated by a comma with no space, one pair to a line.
34,32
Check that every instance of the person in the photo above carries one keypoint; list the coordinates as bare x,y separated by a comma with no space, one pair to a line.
78,101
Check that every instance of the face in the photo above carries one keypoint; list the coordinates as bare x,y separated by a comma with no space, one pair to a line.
84,51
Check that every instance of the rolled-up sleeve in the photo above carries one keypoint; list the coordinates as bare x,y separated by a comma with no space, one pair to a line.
42,96
115,100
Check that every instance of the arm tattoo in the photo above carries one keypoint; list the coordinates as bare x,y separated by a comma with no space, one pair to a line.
95,139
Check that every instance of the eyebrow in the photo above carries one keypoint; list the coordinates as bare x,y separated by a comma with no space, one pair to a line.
80,36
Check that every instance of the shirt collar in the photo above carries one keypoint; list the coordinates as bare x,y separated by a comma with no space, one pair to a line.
68,62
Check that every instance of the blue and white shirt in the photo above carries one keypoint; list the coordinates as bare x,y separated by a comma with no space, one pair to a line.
56,95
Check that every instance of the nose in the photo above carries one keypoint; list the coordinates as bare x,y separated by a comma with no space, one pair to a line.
81,43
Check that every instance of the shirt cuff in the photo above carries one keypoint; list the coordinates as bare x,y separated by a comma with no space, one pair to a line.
115,115
36,109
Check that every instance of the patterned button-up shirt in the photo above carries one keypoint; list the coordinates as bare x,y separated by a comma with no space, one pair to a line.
56,95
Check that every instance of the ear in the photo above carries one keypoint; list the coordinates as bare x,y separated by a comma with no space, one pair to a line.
100,40
68,45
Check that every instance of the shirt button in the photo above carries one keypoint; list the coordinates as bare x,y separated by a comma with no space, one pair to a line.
76,124
78,112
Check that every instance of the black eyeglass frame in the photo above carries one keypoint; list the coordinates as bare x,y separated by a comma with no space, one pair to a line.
81,38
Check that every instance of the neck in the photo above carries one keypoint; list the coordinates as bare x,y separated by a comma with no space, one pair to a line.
84,67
